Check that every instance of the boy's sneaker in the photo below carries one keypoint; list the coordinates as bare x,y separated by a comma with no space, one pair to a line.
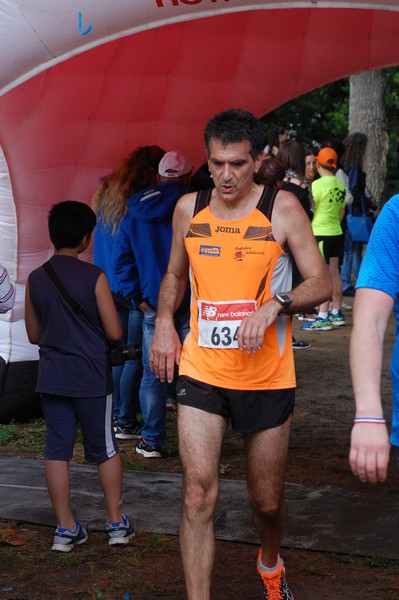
65,539
128,432
148,451
119,533
275,586
337,319
318,324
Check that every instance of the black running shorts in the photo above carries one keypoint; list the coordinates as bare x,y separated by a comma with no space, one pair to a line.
248,410
330,246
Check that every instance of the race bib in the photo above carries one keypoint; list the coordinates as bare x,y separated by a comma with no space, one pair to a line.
218,322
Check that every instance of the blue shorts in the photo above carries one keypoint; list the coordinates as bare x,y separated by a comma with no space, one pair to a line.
248,410
94,415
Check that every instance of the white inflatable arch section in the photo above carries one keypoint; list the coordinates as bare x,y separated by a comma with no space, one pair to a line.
82,83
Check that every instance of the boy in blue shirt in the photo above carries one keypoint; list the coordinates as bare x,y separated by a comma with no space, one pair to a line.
74,379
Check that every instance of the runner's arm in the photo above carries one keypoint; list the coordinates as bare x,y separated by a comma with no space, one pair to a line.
291,229
166,347
369,453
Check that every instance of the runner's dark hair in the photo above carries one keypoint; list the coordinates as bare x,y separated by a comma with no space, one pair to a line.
235,125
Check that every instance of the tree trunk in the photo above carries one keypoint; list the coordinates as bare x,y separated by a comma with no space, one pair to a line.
367,115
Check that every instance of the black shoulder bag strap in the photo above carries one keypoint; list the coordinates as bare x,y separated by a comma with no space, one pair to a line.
72,303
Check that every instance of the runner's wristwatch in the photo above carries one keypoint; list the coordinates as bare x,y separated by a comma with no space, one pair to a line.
284,299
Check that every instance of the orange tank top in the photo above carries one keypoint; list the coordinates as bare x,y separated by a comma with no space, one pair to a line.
236,266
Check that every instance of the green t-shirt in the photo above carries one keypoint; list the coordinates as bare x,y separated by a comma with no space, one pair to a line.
329,197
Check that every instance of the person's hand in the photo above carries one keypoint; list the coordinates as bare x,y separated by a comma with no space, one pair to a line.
144,306
369,453
165,350
251,333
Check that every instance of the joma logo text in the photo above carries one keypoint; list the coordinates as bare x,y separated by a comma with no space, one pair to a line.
227,229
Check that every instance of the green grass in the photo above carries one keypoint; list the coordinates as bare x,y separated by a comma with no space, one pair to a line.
381,561
314,570
27,436
8,434
342,558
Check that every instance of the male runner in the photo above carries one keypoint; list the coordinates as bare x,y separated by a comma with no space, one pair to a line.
237,361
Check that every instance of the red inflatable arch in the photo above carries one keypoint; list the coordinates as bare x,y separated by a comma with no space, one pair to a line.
83,83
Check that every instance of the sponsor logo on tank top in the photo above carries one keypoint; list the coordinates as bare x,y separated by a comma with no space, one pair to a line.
222,229
225,311
241,251
209,250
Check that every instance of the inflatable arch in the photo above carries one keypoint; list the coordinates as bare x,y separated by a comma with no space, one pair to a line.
83,82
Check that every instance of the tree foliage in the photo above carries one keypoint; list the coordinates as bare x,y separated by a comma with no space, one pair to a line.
315,116
323,113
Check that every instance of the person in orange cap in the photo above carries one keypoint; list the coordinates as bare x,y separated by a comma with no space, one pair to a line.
329,209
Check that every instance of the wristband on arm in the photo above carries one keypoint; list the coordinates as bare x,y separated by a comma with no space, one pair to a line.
378,420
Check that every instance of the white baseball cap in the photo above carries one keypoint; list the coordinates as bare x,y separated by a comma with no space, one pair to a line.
175,164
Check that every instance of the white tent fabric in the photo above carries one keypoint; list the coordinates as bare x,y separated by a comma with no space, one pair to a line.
84,83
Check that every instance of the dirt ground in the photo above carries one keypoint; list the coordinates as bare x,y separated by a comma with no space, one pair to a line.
150,567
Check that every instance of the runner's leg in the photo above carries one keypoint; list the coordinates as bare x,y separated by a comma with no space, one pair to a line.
266,459
200,439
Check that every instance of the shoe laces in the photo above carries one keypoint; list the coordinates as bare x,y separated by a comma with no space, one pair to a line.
272,588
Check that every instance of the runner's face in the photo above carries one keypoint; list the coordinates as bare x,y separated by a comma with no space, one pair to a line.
232,168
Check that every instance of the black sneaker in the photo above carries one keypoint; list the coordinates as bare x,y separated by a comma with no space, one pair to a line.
148,451
119,533
128,432
299,344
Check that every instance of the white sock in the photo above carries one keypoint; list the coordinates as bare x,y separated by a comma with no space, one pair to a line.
269,569
323,315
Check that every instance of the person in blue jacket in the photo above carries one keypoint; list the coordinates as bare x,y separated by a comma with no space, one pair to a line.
135,172
140,259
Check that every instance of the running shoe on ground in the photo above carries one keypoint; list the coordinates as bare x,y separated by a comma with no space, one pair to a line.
275,586
128,432
346,306
119,533
337,319
299,344
318,324
307,316
148,451
65,539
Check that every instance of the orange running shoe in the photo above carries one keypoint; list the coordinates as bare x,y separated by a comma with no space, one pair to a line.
275,586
